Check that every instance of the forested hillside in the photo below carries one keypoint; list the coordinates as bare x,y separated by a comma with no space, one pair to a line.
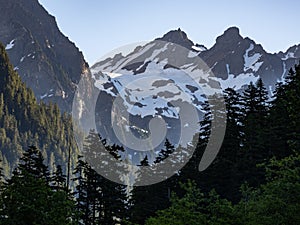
24,122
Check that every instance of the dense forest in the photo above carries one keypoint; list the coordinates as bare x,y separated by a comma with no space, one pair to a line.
255,178
25,122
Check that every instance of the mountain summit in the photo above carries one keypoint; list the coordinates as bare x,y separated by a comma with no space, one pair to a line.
52,66
230,36
234,60
177,37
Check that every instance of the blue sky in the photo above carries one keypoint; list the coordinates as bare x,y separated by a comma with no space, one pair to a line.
97,27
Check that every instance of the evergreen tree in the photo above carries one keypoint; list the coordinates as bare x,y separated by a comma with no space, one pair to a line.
145,200
230,152
277,201
58,179
28,197
165,153
82,204
219,174
191,170
194,208
255,132
32,162
99,201
284,115
144,162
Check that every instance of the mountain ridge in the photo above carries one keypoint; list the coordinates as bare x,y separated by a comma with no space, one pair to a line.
234,61
49,63
230,49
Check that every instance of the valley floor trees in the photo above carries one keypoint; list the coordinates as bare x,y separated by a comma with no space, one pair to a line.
33,196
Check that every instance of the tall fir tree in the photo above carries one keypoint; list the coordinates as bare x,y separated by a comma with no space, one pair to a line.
100,201
145,200
28,197
255,132
284,115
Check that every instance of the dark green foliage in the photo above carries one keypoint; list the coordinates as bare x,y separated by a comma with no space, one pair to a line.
276,202
255,130
29,199
24,122
255,108
285,116
222,174
99,200
145,200
183,210
58,179
195,208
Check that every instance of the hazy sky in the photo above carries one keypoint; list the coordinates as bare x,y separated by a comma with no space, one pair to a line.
97,26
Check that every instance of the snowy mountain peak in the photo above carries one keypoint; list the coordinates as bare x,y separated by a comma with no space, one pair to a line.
177,37
161,79
234,60
292,53
172,70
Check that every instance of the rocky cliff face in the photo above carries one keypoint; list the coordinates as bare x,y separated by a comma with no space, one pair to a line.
47,61
234,56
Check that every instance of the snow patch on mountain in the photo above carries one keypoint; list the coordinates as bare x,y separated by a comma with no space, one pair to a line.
154,92
193,54
236,81
252,62
288,55
283,73
156,53
10,45
168,70
114,75
198,48
131,57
